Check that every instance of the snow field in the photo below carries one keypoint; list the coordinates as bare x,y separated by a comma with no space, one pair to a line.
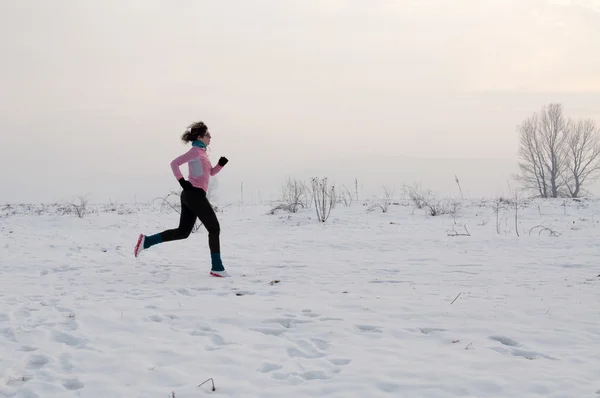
369,304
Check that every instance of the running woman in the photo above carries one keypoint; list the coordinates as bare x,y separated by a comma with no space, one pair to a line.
194,203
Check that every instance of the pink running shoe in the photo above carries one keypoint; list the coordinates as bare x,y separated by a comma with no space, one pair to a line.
139,245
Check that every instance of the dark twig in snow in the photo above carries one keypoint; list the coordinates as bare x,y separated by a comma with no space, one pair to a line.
550,231
456,298
211,380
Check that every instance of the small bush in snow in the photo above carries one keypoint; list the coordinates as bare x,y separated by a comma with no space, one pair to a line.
323,197
384,202
79,206
294,195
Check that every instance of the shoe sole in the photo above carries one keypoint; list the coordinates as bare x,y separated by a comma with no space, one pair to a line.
136,250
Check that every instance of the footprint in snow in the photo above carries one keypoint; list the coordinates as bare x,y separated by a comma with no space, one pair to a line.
340,361
305,349
68,339
216,342
65,363
300,377
8,334
514,348
202,289
316,375
369,328
505,340
310,314
268,367
327,318
303,352
72,384
37,361
431,330
390,281
155,318
216,339
206,329
161,318
268,331
287,322
320,343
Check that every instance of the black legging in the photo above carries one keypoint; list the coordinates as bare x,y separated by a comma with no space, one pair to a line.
195,204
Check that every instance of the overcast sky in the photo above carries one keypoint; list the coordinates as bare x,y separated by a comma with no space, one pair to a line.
95,94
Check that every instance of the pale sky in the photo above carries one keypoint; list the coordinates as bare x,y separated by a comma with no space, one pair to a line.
95,94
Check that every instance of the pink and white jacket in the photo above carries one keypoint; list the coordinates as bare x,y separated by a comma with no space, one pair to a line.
199,167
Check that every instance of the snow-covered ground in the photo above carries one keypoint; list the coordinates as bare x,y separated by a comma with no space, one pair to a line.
368,304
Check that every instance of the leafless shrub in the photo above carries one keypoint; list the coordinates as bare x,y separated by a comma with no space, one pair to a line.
79,206
454,209
175,205
416,194
384,202
114,207
344,196
333,196
323,197
64,209
435,207
427,200
294,194
505,201
8,210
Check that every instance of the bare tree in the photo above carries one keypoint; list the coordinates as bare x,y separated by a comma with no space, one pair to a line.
583,155
533,172
542,152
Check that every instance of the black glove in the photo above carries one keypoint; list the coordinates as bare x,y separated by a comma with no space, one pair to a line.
186,185
223,161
